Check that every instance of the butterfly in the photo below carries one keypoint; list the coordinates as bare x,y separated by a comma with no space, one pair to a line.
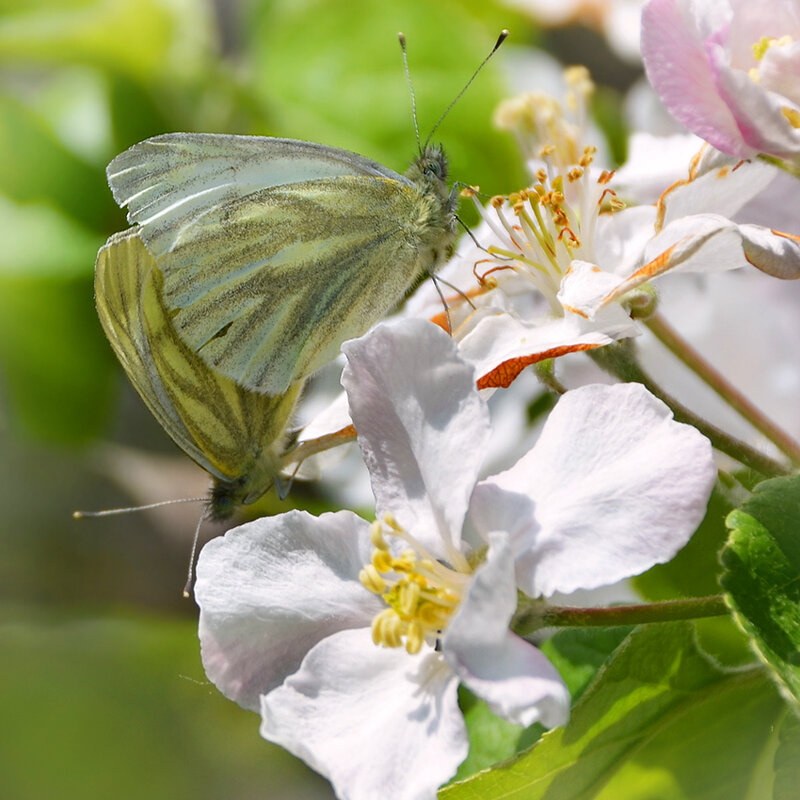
250,260
274,251
232,432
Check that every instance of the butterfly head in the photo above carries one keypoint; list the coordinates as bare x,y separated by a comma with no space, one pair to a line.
429,167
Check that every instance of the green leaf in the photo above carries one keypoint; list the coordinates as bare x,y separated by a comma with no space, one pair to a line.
660,721
578,653
762,576
787,758
491,738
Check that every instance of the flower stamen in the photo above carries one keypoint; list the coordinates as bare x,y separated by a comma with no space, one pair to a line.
420,592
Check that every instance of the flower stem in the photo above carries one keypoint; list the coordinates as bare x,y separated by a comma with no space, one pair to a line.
544,616
618,359
792,167
313,446
679,347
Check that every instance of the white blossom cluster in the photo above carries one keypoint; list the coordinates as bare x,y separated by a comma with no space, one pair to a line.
351,637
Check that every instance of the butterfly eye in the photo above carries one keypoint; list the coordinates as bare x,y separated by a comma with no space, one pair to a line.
433,168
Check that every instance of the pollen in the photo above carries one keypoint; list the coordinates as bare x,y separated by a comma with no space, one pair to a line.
793,115
420,593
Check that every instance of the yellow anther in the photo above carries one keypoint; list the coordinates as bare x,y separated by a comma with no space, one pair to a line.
541,175
793,115
415,637
409,598
376,536
761,46
577,75
388,519
372,580
547,150
382,561
574,174
497,201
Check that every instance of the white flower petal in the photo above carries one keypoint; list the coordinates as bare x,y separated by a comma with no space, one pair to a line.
618,486
719,185
511,675
653,164
503,341
376,722
421,424
582,292
271,589
621,238
773,252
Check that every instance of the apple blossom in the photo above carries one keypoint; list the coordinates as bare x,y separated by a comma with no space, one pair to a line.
728,71
351,638
570,241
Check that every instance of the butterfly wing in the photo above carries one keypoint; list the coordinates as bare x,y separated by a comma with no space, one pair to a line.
226,429
169,181
273,251
267,288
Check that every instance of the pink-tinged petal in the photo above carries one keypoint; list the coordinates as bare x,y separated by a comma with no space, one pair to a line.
677,66
618,486
779,69
376,722
511,675
758,113
773,252
421,424
269,590
501,346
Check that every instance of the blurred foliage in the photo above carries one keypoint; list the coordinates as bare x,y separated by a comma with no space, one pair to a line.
121,708
101,700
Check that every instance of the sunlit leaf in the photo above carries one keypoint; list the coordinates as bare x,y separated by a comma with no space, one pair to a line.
762,576
660,721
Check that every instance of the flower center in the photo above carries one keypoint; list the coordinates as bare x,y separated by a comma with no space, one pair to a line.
760,49
542,229
420,592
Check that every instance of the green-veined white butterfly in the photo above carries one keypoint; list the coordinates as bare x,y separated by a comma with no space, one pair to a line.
250,261
230,431
275,251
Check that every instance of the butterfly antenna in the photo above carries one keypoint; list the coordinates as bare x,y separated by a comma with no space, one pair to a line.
402,39
500,39
108,512
187,589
